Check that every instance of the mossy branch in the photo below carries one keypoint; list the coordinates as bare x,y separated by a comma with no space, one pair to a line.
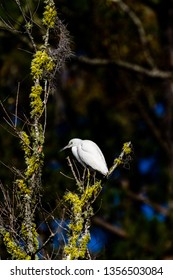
44,66
81,205
123,159
81,212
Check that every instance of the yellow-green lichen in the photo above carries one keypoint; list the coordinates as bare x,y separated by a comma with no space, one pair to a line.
72,252
127,148
41,63
36,91
39,140
35,236
50,14
75,201
33,164
77,247
79,202
14,249
91,192
25,142
83,245
22,187
118,161
32,230
77,227
29,25
81,212
37,107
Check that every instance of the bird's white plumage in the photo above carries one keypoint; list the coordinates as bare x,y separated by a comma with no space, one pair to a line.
88,154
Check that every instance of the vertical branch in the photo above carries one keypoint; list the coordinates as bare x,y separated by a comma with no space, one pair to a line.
81,205
44,66
42,63
81,213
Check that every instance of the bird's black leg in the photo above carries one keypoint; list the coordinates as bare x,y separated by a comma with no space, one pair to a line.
91,176
84,174
94,176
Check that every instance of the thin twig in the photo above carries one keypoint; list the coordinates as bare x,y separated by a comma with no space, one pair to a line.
10,122
68,177
72,169
17,100
26,22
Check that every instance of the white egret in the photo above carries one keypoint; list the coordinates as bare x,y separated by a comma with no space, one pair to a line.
88,154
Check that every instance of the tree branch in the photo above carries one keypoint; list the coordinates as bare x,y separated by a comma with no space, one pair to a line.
152,73
141,31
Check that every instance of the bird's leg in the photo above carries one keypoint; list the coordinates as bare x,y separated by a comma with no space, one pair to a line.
91,178
94,176
88,178
84,174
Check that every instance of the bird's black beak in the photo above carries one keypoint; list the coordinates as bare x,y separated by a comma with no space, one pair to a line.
66,147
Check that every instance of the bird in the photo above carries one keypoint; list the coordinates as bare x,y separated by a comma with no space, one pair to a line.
88,154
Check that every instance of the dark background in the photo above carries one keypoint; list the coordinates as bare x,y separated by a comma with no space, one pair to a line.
109,104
